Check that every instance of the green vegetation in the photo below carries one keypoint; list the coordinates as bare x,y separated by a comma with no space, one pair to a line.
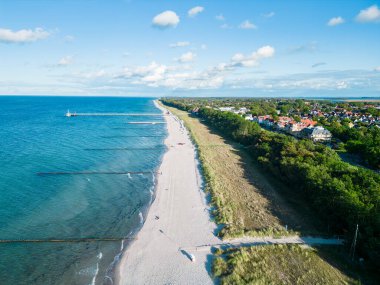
362,140
238,203
343,195
275,264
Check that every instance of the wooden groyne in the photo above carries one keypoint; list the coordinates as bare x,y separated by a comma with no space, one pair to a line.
145,123
92,173
117,114
131,136
68,240
124,148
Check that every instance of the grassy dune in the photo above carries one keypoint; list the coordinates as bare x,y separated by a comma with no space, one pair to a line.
276,264
245,201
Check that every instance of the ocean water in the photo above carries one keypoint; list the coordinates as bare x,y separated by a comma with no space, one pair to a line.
35,136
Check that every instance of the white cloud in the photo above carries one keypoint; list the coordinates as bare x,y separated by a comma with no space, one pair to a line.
225,26
269,15
187,57
23,36
377,68
247,25
195,11
166,19
220,17
179,44
335,21
69,38
371,14
254,58
66,60
309,47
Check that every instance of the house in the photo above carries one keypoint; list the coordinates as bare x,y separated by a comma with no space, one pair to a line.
226,109
249,117
317,134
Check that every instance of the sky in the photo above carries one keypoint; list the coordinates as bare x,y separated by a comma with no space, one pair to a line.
190,48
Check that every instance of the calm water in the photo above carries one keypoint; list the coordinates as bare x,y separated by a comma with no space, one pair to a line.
36,137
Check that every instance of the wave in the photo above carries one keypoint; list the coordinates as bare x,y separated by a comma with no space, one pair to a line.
100,255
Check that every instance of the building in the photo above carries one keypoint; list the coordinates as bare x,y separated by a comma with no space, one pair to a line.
226,109
317,134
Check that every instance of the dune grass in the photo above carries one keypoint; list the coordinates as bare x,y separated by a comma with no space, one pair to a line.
275,264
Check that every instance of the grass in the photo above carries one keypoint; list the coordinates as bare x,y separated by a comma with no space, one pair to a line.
246,202
275,264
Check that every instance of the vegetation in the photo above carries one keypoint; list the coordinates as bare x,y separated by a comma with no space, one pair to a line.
235,194
275,264
362,140
343,195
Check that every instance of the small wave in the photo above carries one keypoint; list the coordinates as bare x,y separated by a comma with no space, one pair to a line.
129,176
96,274
99,256
141,218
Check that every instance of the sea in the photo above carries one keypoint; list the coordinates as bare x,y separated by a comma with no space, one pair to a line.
74,191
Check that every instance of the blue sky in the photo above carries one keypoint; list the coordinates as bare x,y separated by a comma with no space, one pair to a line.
190,48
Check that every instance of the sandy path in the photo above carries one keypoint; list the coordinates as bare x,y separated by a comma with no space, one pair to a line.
178,218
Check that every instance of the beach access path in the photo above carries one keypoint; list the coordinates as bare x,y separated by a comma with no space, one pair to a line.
178,218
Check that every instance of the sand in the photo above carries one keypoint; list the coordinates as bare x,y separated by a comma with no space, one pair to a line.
178,218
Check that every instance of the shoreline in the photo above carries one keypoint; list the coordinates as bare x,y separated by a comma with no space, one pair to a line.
177,218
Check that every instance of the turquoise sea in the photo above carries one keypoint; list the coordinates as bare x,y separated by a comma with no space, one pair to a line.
35,136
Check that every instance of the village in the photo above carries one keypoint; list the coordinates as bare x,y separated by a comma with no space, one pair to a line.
309,123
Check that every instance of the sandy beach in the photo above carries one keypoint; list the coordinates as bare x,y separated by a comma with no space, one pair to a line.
178,219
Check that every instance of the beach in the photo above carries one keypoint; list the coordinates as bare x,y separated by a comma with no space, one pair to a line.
177,219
